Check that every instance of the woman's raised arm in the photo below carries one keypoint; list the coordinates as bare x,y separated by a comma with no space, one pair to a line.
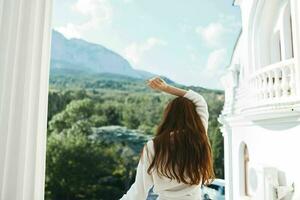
159,84
201,106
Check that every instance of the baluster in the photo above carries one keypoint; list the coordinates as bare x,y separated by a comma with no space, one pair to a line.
268,85
252,89
292,80
256,88
271,84
285,82
265,85
261,86
277,83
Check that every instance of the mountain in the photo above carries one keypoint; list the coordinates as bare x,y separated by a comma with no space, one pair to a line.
76,63
79,56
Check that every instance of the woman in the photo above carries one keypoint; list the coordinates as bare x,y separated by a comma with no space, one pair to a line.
178,160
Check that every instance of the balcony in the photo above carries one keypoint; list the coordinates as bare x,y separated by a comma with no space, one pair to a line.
269,92
274,83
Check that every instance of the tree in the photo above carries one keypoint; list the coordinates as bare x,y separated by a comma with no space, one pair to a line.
78,111
130,116
113,113
79,168
217,143
129,144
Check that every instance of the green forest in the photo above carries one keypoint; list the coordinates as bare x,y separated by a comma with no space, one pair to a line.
97,126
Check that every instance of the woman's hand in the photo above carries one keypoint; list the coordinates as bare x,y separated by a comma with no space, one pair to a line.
157,83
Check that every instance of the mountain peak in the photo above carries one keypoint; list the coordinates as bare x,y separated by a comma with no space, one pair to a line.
86,57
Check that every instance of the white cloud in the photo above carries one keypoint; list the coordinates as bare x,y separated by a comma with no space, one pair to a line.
135,51
98,12
209,74
212,33
127,1
216,60
69,31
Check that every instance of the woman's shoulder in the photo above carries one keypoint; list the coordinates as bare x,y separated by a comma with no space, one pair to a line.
149,142
150,146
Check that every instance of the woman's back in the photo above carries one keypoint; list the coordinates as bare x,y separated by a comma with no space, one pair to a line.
178,160
169,189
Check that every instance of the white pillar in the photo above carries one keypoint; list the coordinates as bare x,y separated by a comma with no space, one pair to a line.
24,74
226,132
285,35
295,14
230,83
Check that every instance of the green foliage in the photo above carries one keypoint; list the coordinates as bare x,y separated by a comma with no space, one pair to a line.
113,113
59,99
215,105
87,158
217,142
75,116
100,81
130,143
79,168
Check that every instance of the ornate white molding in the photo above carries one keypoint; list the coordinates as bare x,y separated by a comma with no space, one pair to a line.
269,93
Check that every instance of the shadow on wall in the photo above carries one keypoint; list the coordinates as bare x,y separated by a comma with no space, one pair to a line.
278,125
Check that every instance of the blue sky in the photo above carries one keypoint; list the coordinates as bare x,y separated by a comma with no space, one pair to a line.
188,41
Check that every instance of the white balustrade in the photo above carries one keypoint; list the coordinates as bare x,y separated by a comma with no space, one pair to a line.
276,81
271,84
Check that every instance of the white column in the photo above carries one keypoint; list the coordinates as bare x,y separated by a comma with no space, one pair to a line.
295,14
226,132
230,83
24,74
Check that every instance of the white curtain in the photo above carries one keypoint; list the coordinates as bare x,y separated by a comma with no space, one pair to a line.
25,34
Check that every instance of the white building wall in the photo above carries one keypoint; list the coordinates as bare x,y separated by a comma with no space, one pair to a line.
262,104
268,147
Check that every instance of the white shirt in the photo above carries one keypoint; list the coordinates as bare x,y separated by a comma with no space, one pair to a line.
166,188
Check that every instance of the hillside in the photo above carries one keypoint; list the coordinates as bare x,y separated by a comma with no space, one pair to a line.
78,64
80,56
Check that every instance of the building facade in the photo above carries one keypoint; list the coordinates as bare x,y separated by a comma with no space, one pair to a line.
261,115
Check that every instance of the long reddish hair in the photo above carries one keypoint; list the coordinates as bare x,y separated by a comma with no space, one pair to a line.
181,145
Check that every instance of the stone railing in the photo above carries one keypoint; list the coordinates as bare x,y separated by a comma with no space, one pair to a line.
273,82
271,85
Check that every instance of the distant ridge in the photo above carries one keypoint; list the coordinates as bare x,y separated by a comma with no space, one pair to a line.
76,60
79,56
